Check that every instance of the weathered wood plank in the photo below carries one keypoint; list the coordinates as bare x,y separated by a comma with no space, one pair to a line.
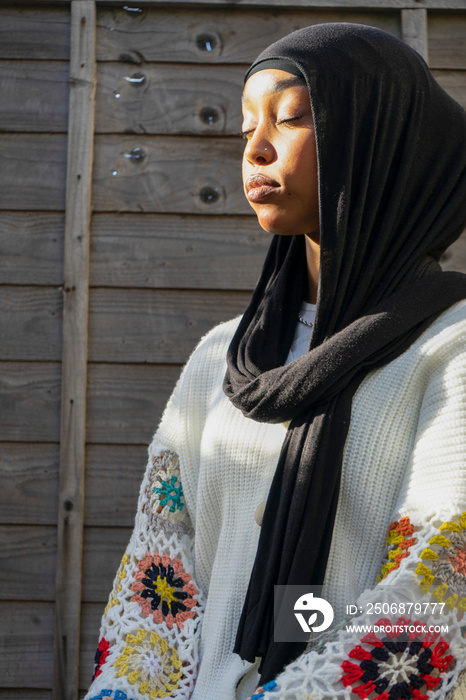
447,40
218,35
147,250
24,694
372,4
39,3
35,32
34,95
29,483
454,82
28,562
26,632
30,323
74,353
103,549
32,171
29,556
414,30
156,326
168,174
30,401
125,402
113,478
169,99
31,248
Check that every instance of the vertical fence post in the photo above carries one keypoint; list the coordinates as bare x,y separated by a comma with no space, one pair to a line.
74,349
414,31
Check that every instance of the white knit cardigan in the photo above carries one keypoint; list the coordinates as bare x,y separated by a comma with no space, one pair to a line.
195,535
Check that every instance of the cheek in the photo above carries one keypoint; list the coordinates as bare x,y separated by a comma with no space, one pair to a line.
303,175
305,155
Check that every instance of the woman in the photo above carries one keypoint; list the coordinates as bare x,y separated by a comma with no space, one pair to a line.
346,426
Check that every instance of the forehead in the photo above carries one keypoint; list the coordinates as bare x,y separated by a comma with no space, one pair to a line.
266,83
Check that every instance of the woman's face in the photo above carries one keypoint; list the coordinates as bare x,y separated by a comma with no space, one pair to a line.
280,160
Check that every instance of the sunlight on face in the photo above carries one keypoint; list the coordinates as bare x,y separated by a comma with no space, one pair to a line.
280,159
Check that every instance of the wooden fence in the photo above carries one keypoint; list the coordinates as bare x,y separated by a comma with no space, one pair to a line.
124,236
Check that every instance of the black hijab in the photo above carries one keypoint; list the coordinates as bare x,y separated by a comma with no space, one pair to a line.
391,148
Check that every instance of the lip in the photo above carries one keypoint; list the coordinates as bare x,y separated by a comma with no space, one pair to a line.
259,187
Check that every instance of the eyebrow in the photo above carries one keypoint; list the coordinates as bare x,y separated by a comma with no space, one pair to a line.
284,84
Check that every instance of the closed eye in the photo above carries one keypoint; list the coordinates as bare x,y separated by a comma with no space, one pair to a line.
291,119
244,134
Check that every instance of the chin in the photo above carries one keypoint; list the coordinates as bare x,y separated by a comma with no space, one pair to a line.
274,225
277,223
277,230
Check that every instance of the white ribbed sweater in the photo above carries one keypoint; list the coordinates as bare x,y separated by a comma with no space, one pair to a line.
405,457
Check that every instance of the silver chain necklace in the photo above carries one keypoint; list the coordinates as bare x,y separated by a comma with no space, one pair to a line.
309,324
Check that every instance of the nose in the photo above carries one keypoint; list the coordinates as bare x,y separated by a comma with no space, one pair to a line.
259,150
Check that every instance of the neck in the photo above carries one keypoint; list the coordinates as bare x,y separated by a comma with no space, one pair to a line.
313,266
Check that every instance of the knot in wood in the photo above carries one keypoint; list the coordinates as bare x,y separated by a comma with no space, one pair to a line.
136,154
209,195
206,42
209,115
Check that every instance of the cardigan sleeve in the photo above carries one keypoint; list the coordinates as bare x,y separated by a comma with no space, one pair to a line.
149,637
408,637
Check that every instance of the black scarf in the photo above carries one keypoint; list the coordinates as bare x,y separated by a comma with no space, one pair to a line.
391,150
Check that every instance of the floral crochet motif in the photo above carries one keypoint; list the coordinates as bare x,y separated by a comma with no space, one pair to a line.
399,540
165,492
164,589
444,565
149,661
120,575
171,492
100,657
397,665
